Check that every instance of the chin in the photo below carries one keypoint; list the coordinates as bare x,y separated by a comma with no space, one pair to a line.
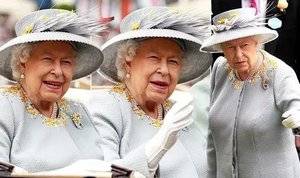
51,97
158,97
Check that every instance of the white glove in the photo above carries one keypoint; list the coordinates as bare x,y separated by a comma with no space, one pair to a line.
290,121
177,118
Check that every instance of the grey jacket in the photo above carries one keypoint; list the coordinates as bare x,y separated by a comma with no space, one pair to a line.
27,142
247,139
125,133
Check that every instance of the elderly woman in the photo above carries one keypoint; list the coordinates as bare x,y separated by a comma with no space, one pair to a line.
139,125
255,102
39,130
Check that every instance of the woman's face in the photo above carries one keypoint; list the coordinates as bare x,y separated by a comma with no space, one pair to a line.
241,54
48,71
155,69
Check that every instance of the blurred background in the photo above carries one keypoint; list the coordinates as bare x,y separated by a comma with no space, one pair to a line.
12,10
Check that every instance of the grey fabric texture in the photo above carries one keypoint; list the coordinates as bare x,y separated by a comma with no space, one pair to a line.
124,135
27,143
245,125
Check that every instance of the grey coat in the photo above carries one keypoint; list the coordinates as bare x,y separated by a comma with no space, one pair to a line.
247,139
27,142
125,133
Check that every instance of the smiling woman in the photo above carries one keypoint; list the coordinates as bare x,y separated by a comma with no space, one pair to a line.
39,129
46,71
141,128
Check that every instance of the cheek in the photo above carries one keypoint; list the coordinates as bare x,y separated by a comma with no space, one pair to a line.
68,73
175,76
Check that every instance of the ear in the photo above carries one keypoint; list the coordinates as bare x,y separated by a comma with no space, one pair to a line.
127,64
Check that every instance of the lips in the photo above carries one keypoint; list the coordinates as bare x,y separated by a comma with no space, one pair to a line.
160,86
240,63
53,85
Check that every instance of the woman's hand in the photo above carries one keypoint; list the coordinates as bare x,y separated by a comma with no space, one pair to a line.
290,121
177,118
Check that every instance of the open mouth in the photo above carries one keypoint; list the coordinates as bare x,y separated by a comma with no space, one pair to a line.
160,84
53,85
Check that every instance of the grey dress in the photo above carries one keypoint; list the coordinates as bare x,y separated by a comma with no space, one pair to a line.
247,138
125,133
30,141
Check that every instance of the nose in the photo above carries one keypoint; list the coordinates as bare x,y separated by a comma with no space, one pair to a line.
57,70
238,54
163,68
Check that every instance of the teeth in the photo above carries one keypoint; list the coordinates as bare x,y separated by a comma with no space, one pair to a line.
53,83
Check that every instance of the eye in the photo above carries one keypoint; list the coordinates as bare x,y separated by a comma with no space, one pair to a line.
174,61
47,59
245,45
68,62
152,57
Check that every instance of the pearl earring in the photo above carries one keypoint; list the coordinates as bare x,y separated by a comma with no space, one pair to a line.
22,76
128,75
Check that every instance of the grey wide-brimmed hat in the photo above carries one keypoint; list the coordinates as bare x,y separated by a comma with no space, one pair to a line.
164,22
237,23
57,25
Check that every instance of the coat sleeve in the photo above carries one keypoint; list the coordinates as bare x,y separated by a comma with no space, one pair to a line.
6,128
109,120
287,90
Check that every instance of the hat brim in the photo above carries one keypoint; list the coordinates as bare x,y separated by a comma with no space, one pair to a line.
195,62
213,43
89,56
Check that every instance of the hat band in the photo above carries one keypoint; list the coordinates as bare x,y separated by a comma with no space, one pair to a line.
235,23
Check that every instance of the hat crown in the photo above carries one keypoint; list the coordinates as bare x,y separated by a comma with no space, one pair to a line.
33,22
158,17
59,20
245,14
145,18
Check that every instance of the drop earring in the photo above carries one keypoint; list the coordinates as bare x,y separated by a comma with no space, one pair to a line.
22,76
127,75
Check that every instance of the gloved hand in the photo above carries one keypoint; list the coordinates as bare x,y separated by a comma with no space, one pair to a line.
177,118
290,121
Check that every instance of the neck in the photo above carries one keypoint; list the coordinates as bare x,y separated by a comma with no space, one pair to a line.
44,107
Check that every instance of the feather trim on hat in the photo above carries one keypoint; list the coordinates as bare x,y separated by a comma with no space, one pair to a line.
190,22
235,22
66,21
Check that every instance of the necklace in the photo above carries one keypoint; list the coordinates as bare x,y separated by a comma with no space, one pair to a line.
60,112
162,108
261,68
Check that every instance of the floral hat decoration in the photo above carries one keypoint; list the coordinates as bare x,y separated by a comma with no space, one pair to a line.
58,25
185,26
